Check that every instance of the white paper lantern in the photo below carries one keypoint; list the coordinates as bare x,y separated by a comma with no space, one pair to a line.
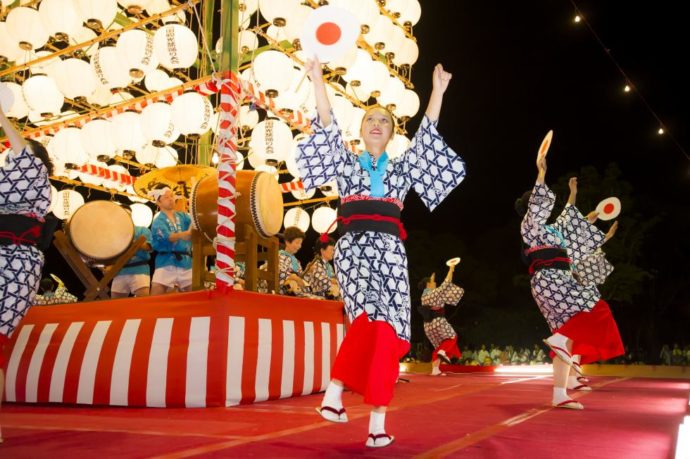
191,113
75,78
97,14
53,198
248,118
67,146
297,94
396,42
247,9
410,13
408,54
9,49
323,218
135,7
271,142
366,11
342,110
18,109
296,18
127,135
25,28
391,93
61,18
397,146
160,157
96,138
297,217
301,194
42,95
110,69
46,67
353,130
268,169
134,198
157,125
142,215
344,62
408,106
111,182
92,179
67,202
156,80
359,75
171,83
137,52
291,160
378,76
175,46
329,189
270,68
381,33
276,11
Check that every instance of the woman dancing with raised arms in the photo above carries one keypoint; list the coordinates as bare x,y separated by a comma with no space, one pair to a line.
370,259
581,322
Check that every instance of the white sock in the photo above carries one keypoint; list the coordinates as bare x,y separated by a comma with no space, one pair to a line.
333,396
559,340
559,394
376,423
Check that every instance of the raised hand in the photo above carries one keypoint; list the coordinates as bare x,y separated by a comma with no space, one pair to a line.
572,184
592,216
440,79
313,69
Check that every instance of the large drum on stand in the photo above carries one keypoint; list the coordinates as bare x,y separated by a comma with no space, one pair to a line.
101,231
259,203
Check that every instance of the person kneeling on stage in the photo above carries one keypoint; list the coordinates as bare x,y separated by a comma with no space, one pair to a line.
135,276
319,273
579,319
48,294
437,329
171,236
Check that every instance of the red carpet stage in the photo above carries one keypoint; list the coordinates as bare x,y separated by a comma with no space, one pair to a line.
460,415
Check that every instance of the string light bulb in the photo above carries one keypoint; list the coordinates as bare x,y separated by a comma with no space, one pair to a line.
660,131
215,158
626,88
577,18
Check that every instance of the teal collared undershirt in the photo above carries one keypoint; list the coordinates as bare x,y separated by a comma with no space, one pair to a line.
375,174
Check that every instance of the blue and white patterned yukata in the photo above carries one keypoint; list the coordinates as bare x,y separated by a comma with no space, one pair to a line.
439,329
557,293
372,266
24,190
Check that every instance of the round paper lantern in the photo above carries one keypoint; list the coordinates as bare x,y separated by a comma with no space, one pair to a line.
378,76
97,15
157,125
135,7
46,67
297,217
396,42
175,46
160,157
75,78
295,21
380,34
18,108
397,146
42,95
408,53
408,105
359,75
367,12
302,195
9,49
323,218
247,9
156,80
410,12
110,69
330,189
277,11
66,203
291,160
270,68
133,195
61,18
342,109
191,113
247,41
391,93
136,51
268,169
66,145
25,27
353,130
96,138
271,142
248,118
297,94
127,135
53,198
142,215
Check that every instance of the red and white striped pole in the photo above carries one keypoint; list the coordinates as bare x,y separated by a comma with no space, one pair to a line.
230,96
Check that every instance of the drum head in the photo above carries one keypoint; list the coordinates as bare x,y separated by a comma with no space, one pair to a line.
266,204
101,230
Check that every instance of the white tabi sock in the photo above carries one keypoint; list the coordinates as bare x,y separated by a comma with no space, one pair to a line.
333,396
376,423
573,382
559,395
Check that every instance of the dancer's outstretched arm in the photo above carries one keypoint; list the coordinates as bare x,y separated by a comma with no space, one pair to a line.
440,81
17,142
323,106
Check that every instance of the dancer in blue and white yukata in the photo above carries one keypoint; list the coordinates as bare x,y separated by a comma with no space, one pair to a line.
370,259
24,202
580,321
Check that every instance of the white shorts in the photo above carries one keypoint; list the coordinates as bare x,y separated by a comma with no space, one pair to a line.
172,276
130,283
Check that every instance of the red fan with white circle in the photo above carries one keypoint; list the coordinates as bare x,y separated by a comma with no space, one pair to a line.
609,208
329,32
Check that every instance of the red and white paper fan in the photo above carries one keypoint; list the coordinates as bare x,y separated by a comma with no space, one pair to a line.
609,208
329,32
545,144
6,98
